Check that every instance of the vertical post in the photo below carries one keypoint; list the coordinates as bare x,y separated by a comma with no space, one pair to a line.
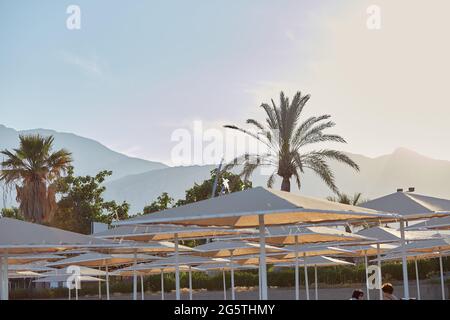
404,261
442,275
417,278
315,282
190,283
297,285
99,287
162,284
233,296
135,277
177,270
70,295
107,282
305,264
76,291
224,285
379,272
259,283
4,278
367,276
262,260
142,288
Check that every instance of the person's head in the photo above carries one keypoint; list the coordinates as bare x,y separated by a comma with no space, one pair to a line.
357,294
387,288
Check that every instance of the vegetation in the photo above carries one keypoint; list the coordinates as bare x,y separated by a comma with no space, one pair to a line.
32,170
164,201
11,213
286,140
82,203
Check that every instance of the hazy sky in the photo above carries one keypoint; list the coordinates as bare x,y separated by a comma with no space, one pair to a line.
137,71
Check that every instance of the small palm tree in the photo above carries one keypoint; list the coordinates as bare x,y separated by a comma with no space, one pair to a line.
354,200
31,169
286,138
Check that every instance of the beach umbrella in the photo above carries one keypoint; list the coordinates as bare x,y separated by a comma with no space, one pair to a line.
284,235
432,224
260,207
19,237
168,232
66,278
316,261
410,206
430,246
306,251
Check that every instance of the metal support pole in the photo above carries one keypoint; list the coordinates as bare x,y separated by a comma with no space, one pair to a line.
177,270
305,264
142,288
135,277
297,285
190,283
442,275
404,261
262,261
233,294
379,272
315,282
4,278
367,277
224,285
107,283
417,278
162,284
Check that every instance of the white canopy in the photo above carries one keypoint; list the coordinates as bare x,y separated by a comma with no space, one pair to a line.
232,248
434,223
386,235
94,259
84,271
410,205
320,261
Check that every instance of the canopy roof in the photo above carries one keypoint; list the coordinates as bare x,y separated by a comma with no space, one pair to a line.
383,234
319,261
24,237
35,267
23,274
412,256
368,250
410,205
434,245
236,248
224,266
241,210
314,250
64,278
26,258
94,259
254,259
124,247
131,270
182,259
434,223
166,232
283,235
84,271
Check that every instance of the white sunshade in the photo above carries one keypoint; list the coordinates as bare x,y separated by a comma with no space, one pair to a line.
368,250
64,278
411,256
18,236
221,249
283,235
410,205
94,259
124,247
166,232
35,267
386,235
319,261
314,250
182,259
433,224
132,270
23,274
435,245
26,258
224,267
242,209
84,271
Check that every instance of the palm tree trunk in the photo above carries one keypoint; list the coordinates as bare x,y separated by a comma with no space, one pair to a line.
286,184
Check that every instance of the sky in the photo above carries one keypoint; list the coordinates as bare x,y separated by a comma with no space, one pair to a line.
135,73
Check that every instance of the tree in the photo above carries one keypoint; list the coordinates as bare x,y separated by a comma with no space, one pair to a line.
164,201
203,191
343,198
81,203
32,168
13,213
286,140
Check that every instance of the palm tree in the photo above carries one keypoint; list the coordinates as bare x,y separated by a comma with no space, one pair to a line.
31,169
354,200
286,138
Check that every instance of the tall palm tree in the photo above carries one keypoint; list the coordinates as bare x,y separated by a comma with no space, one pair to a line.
31,169
286,138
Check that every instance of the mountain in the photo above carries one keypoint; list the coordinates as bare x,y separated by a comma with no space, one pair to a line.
378,176
139,182
89,155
